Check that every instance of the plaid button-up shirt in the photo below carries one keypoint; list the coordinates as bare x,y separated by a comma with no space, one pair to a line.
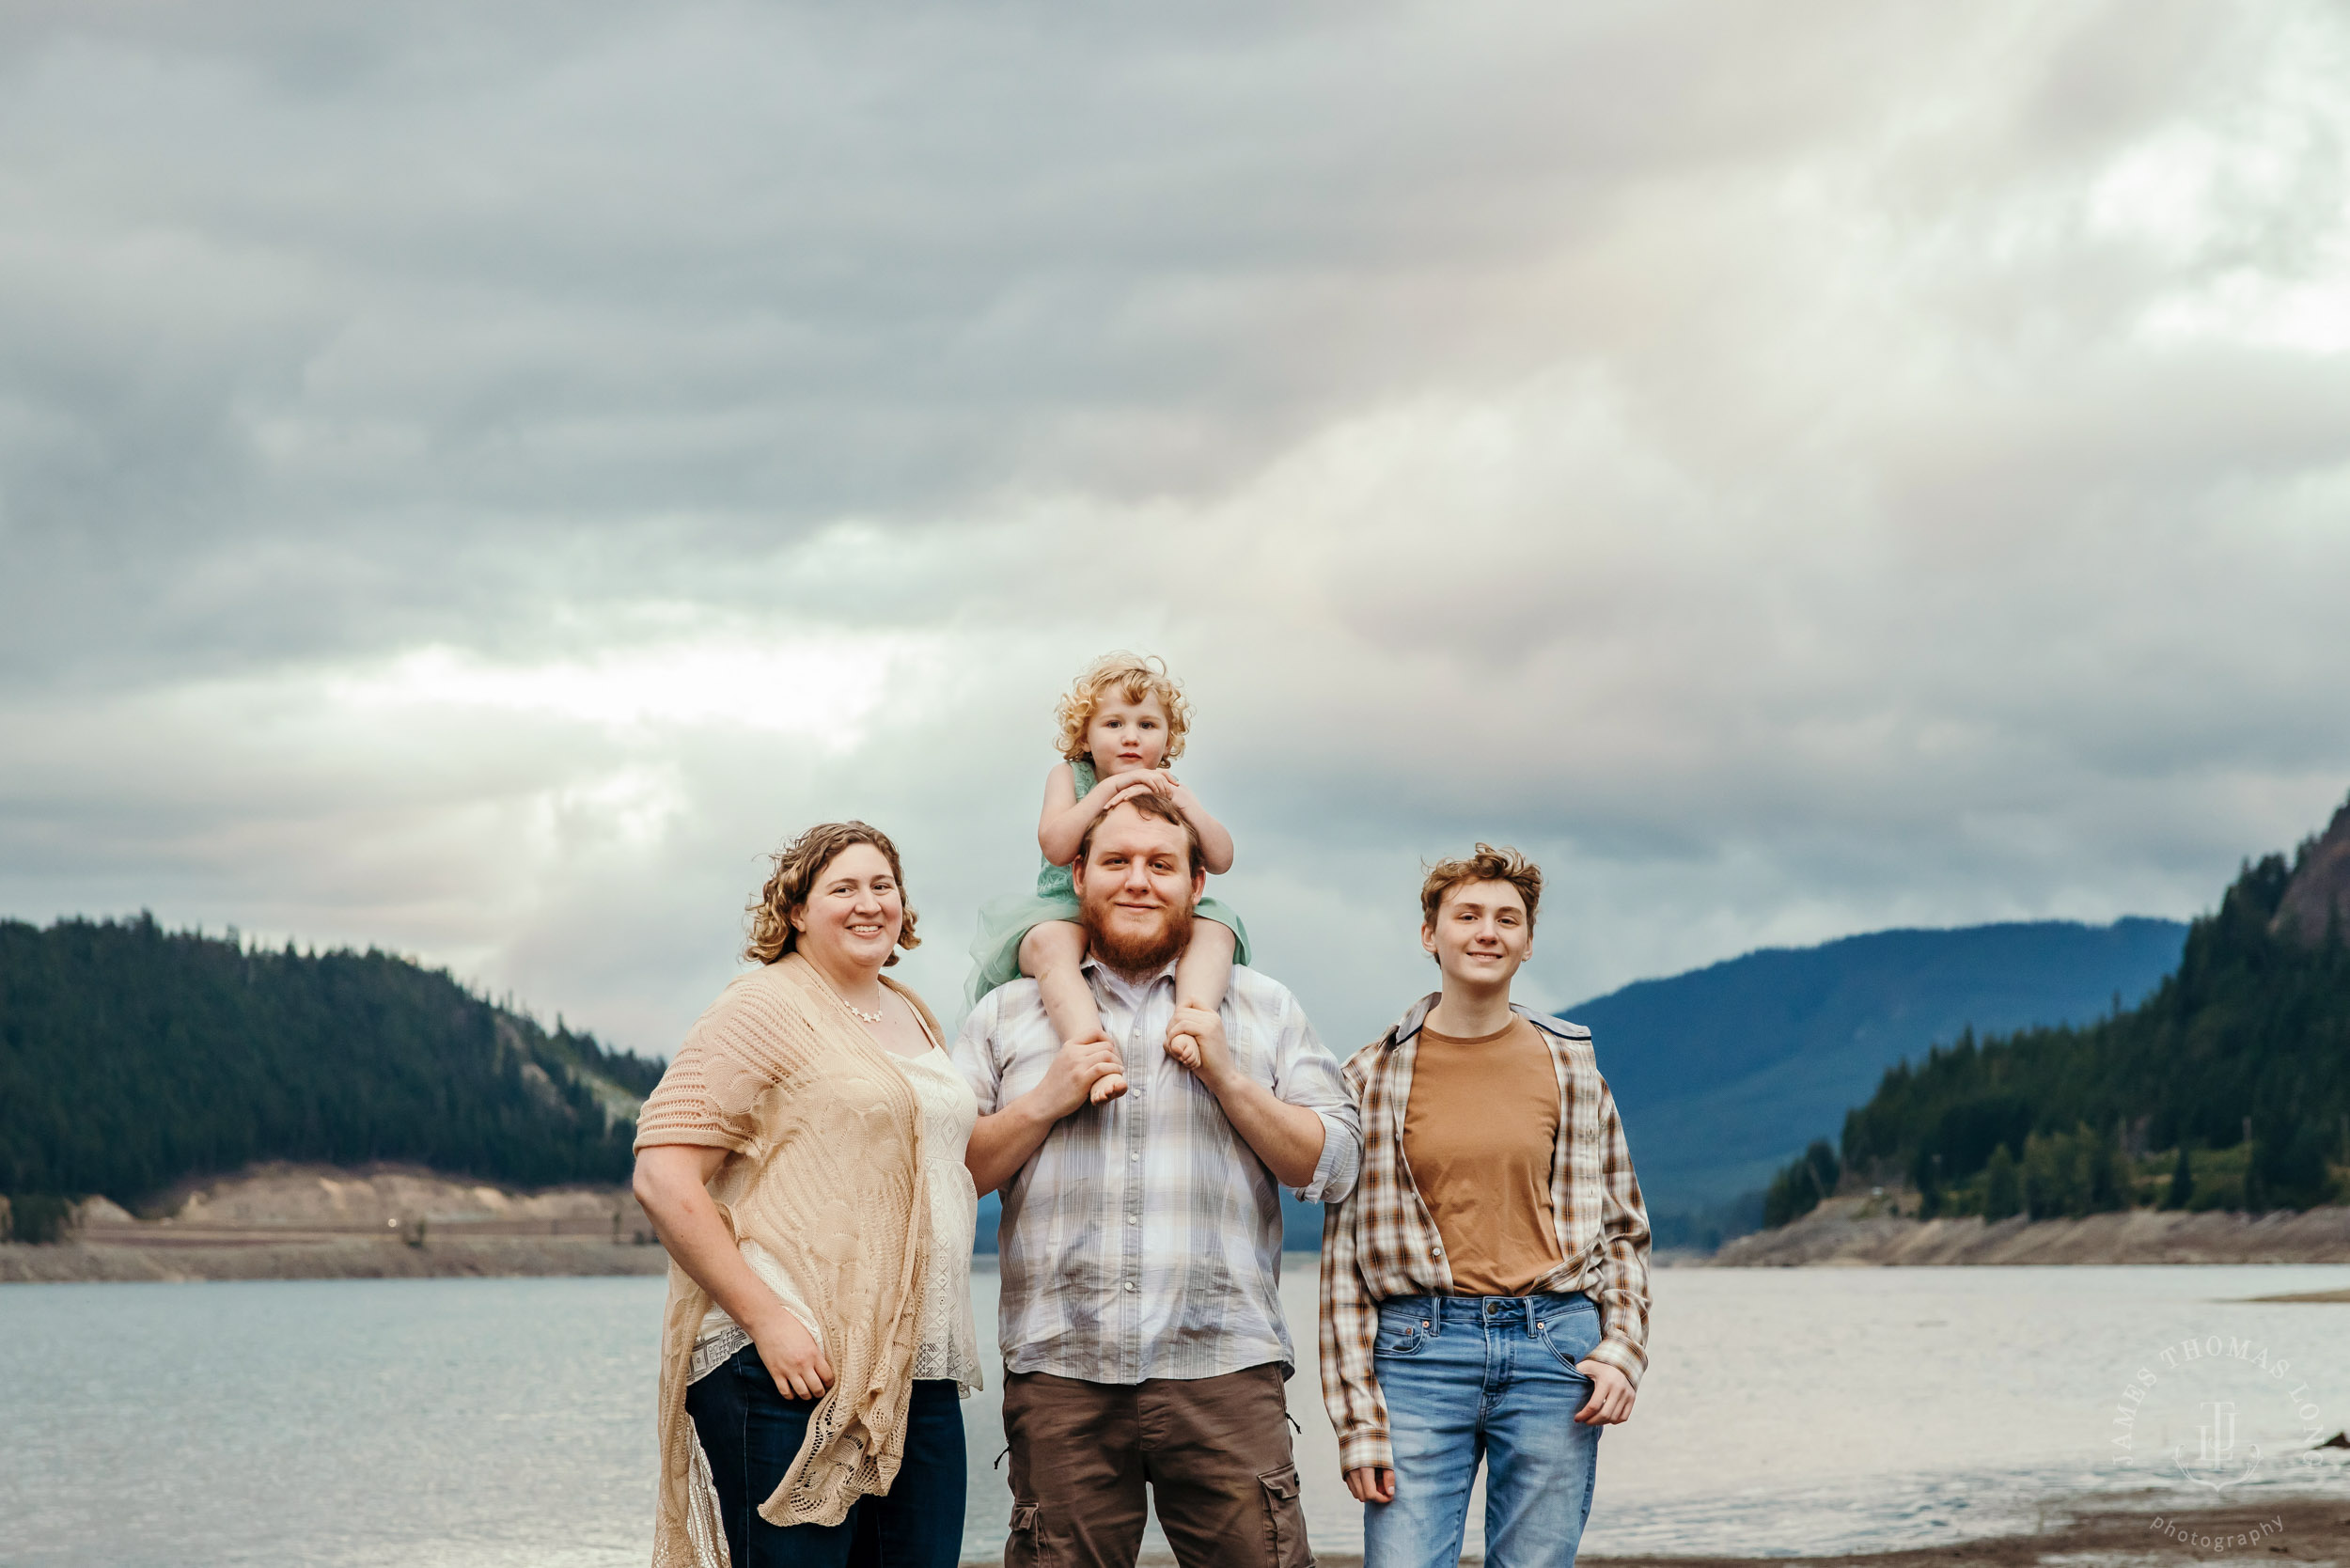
1143,1238
1382,1243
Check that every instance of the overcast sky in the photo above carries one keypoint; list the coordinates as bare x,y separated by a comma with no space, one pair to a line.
475,479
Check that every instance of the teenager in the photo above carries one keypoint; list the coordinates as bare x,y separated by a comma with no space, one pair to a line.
1484,1289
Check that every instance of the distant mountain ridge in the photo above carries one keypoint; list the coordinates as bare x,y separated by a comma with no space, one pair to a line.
1722,1074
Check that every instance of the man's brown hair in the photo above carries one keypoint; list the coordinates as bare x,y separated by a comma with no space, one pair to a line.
798,864
1487,863
1163,809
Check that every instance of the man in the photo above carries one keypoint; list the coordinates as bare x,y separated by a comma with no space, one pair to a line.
1484,1290
1141,1317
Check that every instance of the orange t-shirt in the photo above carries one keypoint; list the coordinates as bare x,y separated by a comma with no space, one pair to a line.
1479,1136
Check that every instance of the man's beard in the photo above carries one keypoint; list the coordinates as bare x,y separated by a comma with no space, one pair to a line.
1144,952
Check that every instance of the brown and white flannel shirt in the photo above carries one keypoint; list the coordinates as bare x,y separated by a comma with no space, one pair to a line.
1381,1243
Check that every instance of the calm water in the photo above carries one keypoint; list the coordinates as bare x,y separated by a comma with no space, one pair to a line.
495,1423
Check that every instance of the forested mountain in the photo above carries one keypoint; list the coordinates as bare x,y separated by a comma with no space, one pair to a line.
131,1057
1724,1072
2228,1088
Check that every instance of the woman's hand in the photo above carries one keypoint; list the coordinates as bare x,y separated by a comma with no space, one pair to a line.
791,1355
1372,1486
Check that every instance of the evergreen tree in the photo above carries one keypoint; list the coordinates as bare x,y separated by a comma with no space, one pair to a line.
2003,1191
2181,1182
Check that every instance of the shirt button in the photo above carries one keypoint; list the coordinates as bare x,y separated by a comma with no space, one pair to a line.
1130,1284
1134,1220
1435,1252
1134,1157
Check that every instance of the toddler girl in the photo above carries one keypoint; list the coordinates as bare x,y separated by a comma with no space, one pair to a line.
1119,725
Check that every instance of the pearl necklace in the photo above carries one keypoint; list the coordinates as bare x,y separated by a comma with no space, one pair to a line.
868,1017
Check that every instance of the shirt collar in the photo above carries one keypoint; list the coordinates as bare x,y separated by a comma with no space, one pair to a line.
1415,1017
1095,968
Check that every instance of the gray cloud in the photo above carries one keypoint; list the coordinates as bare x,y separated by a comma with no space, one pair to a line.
473,481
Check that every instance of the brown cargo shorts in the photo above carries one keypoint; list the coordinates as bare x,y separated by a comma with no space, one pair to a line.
1214,1452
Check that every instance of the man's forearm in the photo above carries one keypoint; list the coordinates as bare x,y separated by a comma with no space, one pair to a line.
1287,1138
1002,1143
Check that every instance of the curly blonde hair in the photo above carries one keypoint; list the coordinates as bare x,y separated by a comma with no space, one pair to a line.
1132,677
797,865
1487,863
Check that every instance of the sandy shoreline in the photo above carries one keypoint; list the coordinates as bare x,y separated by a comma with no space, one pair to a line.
2295,1529
357,1257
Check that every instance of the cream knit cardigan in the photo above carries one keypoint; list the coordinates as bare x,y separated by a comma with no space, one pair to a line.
824,1137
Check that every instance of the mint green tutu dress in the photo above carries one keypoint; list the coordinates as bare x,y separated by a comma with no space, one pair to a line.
1003,922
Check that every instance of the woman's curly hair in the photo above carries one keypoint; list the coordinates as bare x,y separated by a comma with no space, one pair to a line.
797,865
1132,677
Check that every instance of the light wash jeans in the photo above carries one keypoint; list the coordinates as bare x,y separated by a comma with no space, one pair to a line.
1491,1378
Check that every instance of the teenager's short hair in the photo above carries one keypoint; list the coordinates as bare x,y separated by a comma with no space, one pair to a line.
1154,805
1487,863
797,865
1132,677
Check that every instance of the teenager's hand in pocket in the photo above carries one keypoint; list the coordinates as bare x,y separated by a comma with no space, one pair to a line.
1611,1394
791,1355
1372,1486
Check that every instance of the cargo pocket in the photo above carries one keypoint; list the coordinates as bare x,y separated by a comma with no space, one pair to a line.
1285,1519
1025,1547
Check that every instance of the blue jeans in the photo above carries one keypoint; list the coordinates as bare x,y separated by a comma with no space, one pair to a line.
750,1430
1491,1378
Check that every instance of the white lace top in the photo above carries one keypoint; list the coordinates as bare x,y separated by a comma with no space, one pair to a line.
949,1347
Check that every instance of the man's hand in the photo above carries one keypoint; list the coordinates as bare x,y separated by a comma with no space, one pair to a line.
1611,1394
1372,1486
791,1355
1086,1070
1195,1037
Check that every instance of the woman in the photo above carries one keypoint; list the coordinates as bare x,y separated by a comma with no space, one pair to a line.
802,1160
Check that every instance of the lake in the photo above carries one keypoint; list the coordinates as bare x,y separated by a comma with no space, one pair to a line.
493,1423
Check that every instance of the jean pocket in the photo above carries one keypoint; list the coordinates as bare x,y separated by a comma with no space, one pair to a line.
1570,1338
1285,1520
1402,1332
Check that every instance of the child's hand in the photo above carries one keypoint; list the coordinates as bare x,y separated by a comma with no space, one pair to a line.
1157,780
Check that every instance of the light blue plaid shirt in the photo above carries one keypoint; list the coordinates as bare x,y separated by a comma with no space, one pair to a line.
1143,1238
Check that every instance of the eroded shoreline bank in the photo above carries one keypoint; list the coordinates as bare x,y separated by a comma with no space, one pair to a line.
1843,1233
